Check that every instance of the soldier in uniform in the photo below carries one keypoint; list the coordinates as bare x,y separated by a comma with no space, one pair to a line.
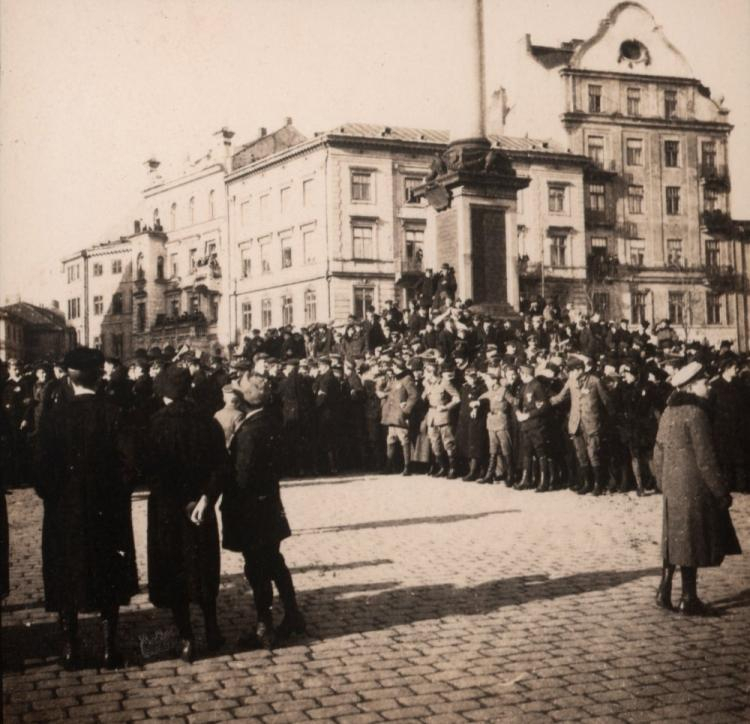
589,402
254,521
442,397
399,398
353,398
498,427
85,464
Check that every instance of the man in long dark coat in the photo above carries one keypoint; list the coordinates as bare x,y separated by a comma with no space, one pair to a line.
697,530
18,403
84,463
254,521
186,467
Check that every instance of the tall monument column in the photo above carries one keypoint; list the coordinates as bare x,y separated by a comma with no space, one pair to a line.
473,188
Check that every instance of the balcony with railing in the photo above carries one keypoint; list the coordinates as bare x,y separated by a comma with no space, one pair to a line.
599,170
410,264
194,323
602,267
718,222
599,217
715,176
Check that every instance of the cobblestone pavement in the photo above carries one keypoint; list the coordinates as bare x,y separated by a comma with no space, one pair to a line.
427,600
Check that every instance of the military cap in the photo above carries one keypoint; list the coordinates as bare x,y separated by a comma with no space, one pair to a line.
176,382
81,358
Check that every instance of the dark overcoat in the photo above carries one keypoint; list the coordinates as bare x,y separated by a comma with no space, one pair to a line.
697,530
471,432
251,510
186,458
84,463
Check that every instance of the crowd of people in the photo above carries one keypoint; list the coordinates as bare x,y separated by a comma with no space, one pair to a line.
555,400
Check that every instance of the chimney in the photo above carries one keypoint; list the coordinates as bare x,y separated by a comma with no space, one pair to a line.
136,227
262,131
223,146
288,121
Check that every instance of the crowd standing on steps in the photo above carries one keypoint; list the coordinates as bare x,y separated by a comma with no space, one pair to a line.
553,400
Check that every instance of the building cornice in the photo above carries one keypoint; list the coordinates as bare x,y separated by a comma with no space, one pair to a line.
150,191
673,124
631,77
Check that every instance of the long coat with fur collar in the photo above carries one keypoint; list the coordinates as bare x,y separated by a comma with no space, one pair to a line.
697,529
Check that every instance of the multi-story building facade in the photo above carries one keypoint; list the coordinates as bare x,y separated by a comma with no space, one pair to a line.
31,333
327,227
657,207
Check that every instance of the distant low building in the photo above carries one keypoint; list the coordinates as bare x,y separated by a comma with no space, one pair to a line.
31,333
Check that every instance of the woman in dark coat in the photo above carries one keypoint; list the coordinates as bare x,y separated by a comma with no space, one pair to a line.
186,466
253,517
84,463
471,431
697,529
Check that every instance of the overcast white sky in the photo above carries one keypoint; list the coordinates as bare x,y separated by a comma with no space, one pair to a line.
91,88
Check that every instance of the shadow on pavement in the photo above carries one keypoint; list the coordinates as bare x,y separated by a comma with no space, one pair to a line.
306,483
328,567
738,600
148,635
399,522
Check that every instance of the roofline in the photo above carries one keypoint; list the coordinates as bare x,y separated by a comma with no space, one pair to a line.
91,250
640,77
639,122
150,191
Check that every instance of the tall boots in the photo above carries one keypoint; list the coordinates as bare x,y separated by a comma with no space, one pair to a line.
544,475
181,615
112,658
406,449
527,479
690,604
587,486
69,657
489,476
664,592
390,466
638,475
473,471
598,486
452,474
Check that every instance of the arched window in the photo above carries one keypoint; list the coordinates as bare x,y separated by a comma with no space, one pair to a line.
160,268
211,195
173,217
191,210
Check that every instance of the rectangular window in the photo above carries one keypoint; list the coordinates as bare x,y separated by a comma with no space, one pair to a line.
708,155
674,252
174,307
676,307
362,242
97,270
74,272
601,304
266,313
599,242
284,199
670,103
173,266
287,310
556,199
141,316
635,199
195,303
361,186
410,183
634,101
245,263
557,251
596,197
74,308
286,251
311,307
247,316
117,306
307,187
673,200
710,199
634,152
308,244
118,345
363,298
192,260
713,308
638,307
595,99
636,252
672,154
265,255
596,149
712,252
414,247
98,305
244,213
117,266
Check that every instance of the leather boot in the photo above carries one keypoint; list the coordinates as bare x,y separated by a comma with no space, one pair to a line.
588,485
441,469
390,466
598,488
69,658
543,475
472,474
293,624
690,604
489,476
264,630
112,658
407,459
664,592
452,474
181,616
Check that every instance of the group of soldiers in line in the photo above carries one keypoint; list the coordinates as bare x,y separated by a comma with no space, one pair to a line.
557,401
